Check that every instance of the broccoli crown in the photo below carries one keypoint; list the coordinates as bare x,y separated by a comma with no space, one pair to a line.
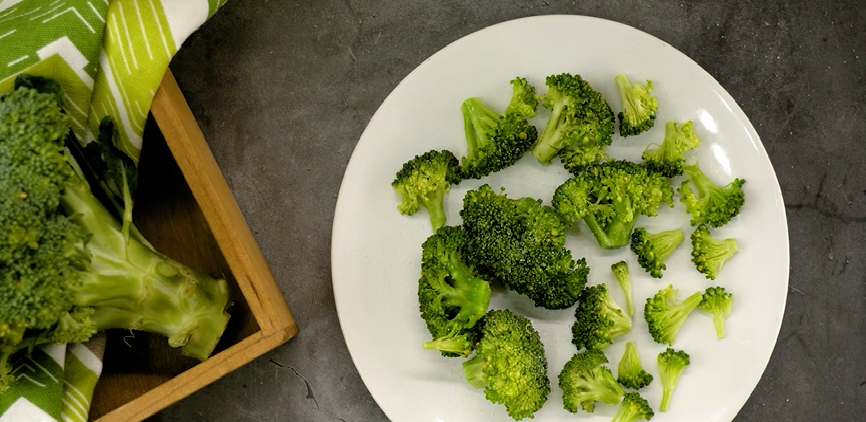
714,205
585,380
424,181
620,272
580,120
671,364
638,106
524,100
664,315
451,297
598,319
521,243
633,408
510,364
708,254
667,158
610,196
494,141
630,372
718,303
652,249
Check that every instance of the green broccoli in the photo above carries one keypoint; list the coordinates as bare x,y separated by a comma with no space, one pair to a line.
521,244
510,364
452,297
671,364
585,380
631,373
714,205
718,303
496,141
610,196
638,106
424,181
633,408
652,249
620,272
580,126
664,315
667,158
68,267
598,319
708,254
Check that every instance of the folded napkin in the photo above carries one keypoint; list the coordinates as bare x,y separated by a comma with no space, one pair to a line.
109,56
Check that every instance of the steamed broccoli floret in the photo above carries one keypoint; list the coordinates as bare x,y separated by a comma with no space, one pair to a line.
585,380
452,297
620,271
633,408
671,364
521,244
631,373
581,123
718,303
496,141
667,158
638,106
510,364
714,205
708,254
652,249
598,319
424,181
664,315
610,196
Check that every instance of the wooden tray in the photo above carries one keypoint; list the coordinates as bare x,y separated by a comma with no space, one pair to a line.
186,210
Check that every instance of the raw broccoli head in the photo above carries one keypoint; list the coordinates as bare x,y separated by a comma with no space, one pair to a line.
610,196
667,158
585,380
652,249
451,296
424,181
510,364
714,205
633,408
630,372
671,364
638,106
718,303
581,121
598,319
521,243
665,315
709,255
524,100
620,272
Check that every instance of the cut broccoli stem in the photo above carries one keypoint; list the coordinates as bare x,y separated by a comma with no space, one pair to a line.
550,141
435,206
473,370
478,118
617,234
454,342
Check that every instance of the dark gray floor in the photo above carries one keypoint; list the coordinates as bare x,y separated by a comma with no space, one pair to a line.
283,90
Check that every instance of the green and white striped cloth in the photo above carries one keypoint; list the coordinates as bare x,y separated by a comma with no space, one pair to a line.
109,56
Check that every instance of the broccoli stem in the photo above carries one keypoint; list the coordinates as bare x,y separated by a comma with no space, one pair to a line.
616,234
719,322
667,392
473,370
452,343
478,119
133,287
549,143
435,205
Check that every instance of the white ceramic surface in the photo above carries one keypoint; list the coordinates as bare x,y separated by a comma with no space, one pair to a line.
376,251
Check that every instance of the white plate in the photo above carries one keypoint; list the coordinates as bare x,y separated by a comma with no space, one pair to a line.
376,251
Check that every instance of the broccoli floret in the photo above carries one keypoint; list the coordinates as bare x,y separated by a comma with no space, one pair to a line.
524,100
620,272
581,122
585,380
68,269
633,408
598,319
638,106
610,196
714,205
452,297
630,372
708,254
671,364
510,364
424,181
718,303
521,244
652,249
664,315
667,158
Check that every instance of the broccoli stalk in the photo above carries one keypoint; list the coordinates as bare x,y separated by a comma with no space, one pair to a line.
671,364
709,255
630,372
638,106
652,249
620,272
718,303
664,315
598,319
585,380
667,158
424,181
714,205
633,408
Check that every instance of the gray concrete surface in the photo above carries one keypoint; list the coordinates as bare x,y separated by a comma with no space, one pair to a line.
283,90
